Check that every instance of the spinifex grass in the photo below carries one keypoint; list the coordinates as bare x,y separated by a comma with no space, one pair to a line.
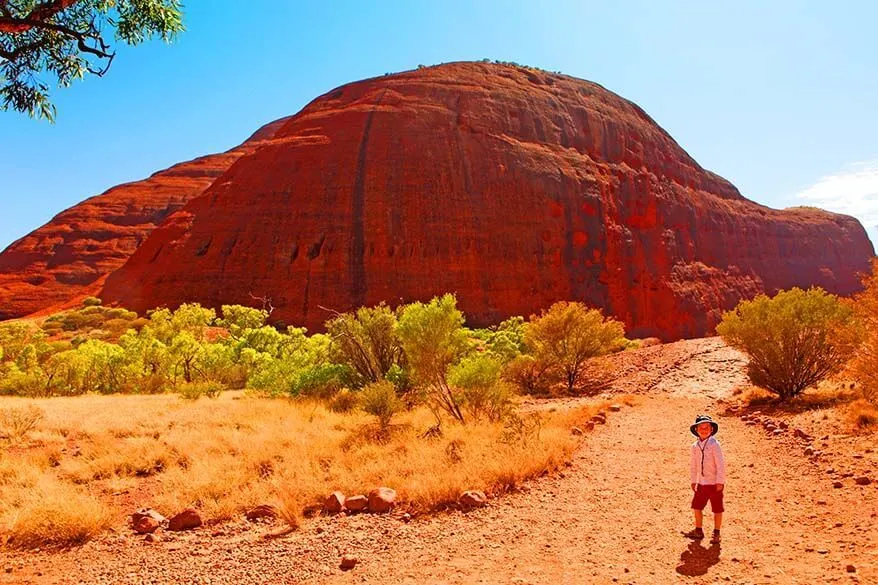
62,484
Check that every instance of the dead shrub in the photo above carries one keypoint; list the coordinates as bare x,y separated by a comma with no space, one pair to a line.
17,422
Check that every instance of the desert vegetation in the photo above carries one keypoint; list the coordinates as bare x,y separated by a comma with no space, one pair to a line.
107,411
799,340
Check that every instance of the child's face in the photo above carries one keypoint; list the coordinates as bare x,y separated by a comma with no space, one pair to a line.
704,430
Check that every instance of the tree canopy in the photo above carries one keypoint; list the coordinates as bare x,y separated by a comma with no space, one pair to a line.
63,40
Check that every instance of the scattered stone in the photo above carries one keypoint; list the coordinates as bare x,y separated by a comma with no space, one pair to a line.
589,426
576,431
830,470
8,569
598,419
809,451
145,525
147,513
776,432
356,503
382,500
406,517
348,562
262,511
837,484
334,503
783,424
862,480
473,499
151,538
615,407
801,434
185,520
822,551
851,569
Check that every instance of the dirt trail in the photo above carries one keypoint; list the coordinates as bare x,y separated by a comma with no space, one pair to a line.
614,516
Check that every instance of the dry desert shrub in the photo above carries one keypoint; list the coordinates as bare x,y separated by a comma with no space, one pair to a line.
862,415
17,422
227,455
864,366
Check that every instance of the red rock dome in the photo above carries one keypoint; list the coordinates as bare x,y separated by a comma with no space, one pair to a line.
511,187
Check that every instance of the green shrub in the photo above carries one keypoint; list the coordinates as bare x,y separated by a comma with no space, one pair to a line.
367,342
793,340
483,393
433,338
380,400
195,390
567,335
91,302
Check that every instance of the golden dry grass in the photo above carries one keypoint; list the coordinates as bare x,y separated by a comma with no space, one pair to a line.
92,460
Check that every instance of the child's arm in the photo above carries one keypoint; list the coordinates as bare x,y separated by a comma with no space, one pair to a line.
693,467
720,466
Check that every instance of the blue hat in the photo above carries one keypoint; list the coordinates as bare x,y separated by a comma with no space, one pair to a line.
702,418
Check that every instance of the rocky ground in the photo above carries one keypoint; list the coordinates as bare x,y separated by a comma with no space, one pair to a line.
615,515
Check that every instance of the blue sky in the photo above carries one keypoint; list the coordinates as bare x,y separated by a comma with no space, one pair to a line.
778,97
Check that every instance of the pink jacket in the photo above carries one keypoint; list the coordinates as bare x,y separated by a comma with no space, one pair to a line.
706,464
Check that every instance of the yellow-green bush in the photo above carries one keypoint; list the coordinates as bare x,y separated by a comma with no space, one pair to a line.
793,340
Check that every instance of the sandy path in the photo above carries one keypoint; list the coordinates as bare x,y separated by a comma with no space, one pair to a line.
617,514
614,516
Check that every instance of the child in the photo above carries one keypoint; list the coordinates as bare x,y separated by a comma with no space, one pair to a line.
707,470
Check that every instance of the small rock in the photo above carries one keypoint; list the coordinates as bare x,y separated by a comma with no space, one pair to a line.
851,569
857,455
406,517
147,513
8,569
837,484
822,551
382,500
473,499
262,511
334,503
783,424
601,420
185,520
152,538
801,434
777,432
356,503
348,562
576,431
145,525
862,480
809,451
615,407
589,426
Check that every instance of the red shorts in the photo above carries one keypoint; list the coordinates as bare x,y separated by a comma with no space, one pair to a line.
703,493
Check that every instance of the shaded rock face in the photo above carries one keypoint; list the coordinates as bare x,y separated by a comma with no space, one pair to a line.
71,255
510,187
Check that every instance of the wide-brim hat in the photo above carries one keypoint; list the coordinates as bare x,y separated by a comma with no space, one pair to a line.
703,418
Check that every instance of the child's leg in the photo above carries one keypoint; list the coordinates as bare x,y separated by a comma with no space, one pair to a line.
699,518
718,520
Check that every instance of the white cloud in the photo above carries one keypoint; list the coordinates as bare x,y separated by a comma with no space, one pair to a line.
852,191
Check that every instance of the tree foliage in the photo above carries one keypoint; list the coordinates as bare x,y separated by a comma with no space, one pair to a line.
793,340
433,338
367,341
63,40
568,334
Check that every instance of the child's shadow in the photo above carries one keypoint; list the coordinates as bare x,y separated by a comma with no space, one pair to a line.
696,559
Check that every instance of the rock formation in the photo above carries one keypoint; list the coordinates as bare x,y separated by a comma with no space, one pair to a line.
511,187
70,256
